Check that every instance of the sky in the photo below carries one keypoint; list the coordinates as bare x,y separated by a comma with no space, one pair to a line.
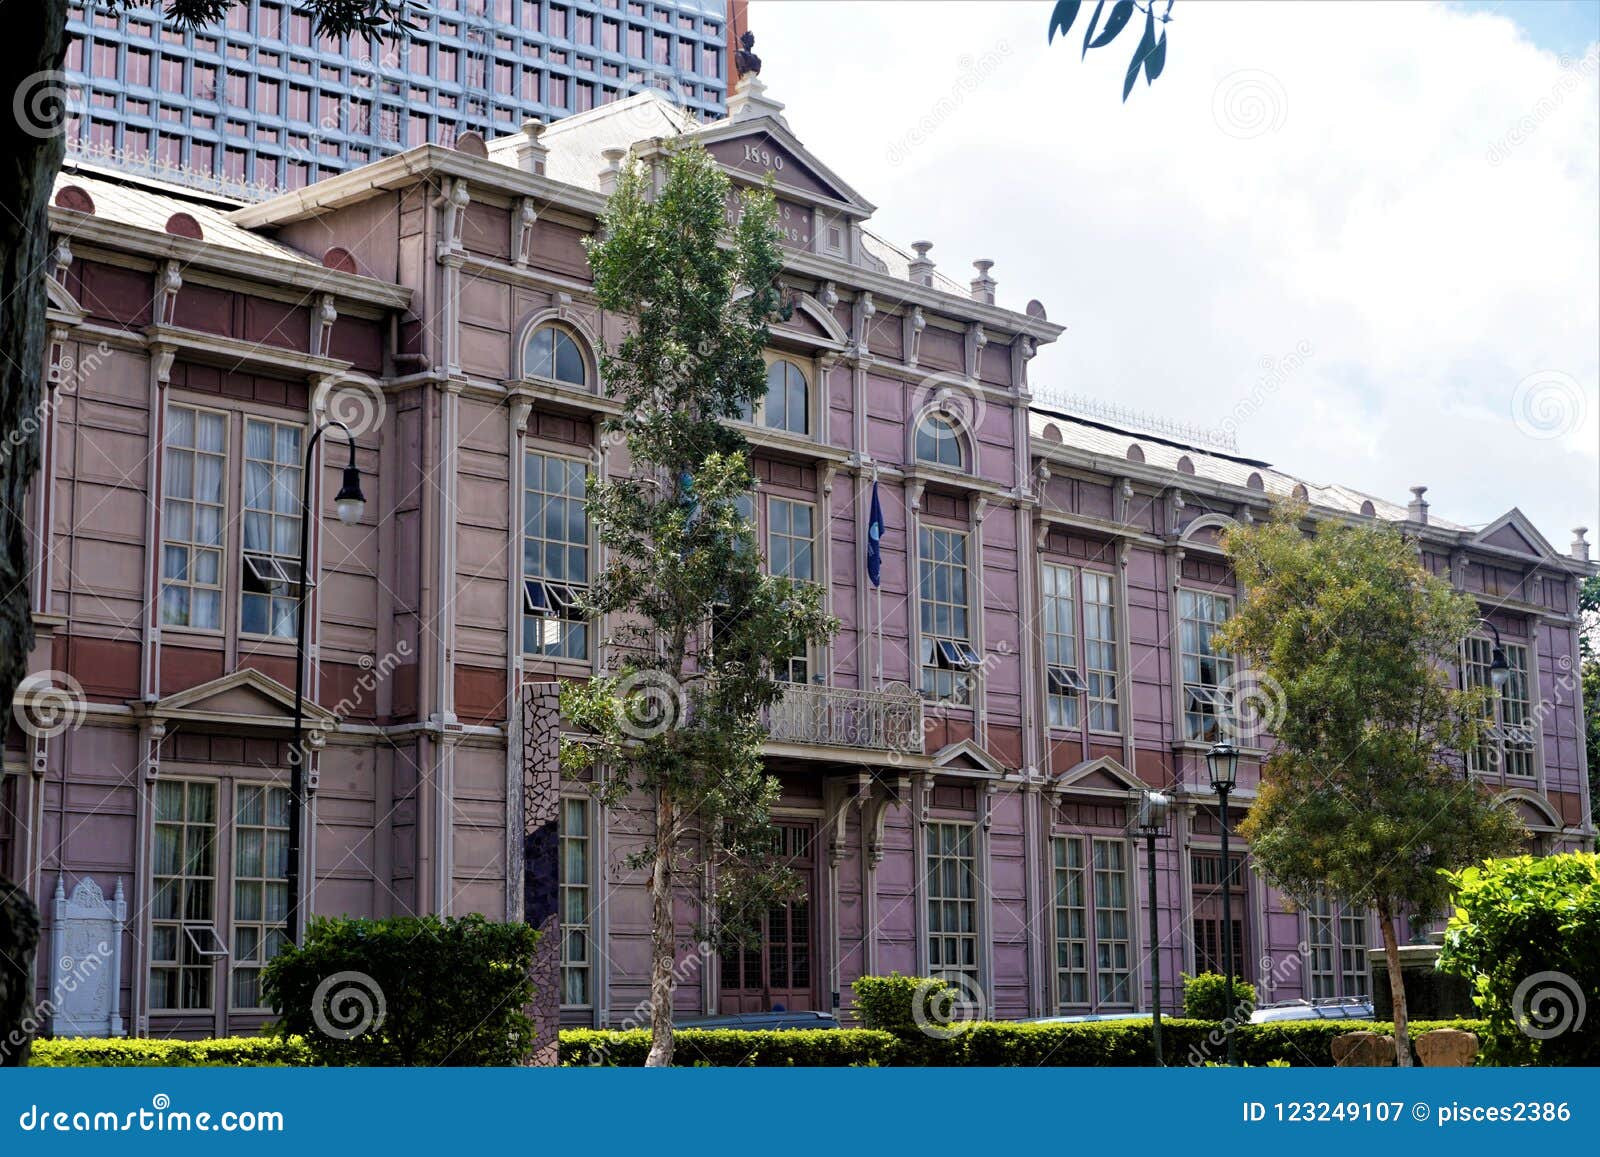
1364,237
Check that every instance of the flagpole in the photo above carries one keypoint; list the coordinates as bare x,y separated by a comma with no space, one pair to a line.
877,592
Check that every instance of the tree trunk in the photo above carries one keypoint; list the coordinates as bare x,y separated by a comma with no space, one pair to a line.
663,940
1397,988
31,147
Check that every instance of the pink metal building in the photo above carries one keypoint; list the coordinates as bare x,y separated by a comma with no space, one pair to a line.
957,764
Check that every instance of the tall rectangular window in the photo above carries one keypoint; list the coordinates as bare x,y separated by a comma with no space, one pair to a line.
555,557
952,901
1336,941
270,568
1506,744
193,501
576,883
1100,650
948,656
1072,923
1207,672
1112,942
260,885
1093,942
1063,685
791,532
183,906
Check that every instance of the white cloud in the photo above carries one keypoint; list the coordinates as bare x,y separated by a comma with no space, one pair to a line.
1410,189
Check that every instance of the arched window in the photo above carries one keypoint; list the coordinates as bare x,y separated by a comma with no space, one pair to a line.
937,442
551,353
786,407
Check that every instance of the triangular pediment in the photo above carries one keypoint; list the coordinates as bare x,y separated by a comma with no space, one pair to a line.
243,697
1103,776
1514,532
967,756
760,147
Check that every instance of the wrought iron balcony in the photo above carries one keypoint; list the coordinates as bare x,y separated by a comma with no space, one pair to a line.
886,720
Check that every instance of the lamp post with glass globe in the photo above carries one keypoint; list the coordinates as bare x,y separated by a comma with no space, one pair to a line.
349,504
1152,823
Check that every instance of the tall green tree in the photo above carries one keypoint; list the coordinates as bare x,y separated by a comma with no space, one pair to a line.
704,631
1589,661
31,151
1364,798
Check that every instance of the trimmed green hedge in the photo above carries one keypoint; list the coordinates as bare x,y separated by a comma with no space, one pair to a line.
733,1048
1310,1042
136,1052
990,1043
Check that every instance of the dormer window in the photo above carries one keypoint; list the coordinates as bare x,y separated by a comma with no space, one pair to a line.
552,354
937,442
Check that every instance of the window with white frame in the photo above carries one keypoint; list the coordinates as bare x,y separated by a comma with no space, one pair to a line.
1509,733
1336,942
791,532
937,442
555,557
952,901
193,512
577,962
788,398
183,936
1093,938
1064,686
1100,651
551,353
270,563
260,885
1207,671
948,657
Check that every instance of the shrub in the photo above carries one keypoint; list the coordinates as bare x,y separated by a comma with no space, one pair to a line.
134,1052
798,1048
1526,931
1097,1044
1205,997
407,991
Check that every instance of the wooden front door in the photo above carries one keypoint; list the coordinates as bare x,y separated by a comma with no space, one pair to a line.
1206,876
777,969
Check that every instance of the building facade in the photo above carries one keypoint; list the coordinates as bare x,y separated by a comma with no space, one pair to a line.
263,102
957,764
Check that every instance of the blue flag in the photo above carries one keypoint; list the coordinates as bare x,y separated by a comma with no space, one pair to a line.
875,540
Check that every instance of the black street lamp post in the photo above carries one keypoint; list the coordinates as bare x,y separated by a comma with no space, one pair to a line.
1152,822
348,503
1222,761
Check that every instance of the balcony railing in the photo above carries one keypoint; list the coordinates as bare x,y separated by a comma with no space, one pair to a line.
887,720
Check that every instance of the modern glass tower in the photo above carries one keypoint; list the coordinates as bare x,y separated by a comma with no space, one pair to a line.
260,103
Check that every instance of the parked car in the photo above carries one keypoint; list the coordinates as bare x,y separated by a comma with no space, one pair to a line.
1339,1008
1087,1018
765,1021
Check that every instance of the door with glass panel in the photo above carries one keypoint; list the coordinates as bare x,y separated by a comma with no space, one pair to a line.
773,967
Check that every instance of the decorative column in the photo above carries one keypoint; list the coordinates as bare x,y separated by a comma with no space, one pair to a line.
537,737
